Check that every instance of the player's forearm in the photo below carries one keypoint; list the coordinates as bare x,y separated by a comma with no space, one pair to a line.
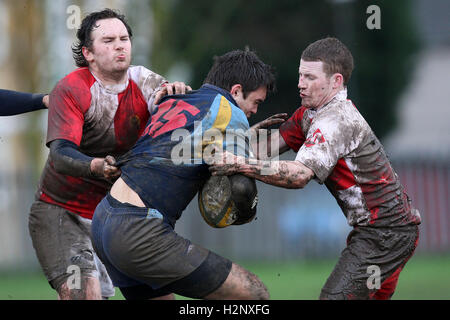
14,102
285,174
68,160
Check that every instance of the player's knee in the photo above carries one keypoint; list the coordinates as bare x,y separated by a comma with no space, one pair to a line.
241,284
88,288
260,291
253,286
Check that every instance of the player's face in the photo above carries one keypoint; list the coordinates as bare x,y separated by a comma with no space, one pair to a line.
250,104
315,86
111,47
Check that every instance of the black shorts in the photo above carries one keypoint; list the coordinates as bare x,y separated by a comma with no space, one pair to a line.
370,264
146,258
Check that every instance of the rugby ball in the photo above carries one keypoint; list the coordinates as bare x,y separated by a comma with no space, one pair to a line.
228,200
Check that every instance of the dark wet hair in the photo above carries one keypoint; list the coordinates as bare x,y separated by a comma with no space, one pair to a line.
242,67
334,54
86,28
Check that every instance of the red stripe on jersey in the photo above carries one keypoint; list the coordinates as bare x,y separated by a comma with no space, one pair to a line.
292,131
129,123
84,197
341,177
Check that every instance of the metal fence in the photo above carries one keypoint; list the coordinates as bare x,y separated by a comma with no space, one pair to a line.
427,184
290,224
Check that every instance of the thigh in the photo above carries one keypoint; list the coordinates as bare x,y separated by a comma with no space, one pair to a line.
62,243
371,258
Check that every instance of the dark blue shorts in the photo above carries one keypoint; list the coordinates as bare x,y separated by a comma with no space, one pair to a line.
141,251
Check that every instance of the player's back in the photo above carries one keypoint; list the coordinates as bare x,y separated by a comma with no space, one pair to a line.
166,166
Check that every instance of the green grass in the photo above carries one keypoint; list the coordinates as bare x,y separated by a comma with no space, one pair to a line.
424,277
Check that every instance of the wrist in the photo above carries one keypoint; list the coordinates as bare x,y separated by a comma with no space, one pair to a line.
96,167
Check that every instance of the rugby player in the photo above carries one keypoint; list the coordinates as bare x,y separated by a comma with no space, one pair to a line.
96,113
133,226
336,147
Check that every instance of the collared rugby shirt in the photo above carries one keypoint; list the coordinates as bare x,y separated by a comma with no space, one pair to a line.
101,120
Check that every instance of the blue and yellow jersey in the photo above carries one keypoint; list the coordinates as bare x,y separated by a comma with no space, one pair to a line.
166,167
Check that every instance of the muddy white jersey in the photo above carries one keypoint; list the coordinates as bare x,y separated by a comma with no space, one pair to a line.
339,146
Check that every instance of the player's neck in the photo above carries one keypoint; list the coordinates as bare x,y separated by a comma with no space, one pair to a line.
112,78
334,93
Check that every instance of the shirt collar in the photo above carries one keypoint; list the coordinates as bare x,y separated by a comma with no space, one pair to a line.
341,95
223,92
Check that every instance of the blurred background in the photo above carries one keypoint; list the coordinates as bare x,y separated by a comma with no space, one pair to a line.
400,84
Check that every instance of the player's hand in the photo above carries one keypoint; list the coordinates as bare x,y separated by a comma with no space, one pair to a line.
270,121
176,87
224,163
46,100
105,168
110,170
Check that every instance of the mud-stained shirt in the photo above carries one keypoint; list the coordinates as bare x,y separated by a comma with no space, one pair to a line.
102,120
339,146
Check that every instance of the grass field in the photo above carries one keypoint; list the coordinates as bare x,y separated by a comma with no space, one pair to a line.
424,278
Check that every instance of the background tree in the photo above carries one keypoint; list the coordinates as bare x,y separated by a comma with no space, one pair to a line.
278,31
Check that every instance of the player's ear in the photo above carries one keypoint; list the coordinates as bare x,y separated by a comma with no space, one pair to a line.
235,90
337,80
87,54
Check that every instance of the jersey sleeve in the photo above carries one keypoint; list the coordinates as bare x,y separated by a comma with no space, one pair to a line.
149,82
291,130
15,102
326,142
69,100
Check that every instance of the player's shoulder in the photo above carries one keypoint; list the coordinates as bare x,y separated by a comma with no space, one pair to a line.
80,78
221,112
336,110
74,88
141,75
350,113
82,74
238,119
299,113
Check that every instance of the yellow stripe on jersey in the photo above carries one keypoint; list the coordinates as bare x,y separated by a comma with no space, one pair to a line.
223,115
214,136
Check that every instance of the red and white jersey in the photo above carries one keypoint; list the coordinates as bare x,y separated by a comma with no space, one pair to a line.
102,120
337,144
